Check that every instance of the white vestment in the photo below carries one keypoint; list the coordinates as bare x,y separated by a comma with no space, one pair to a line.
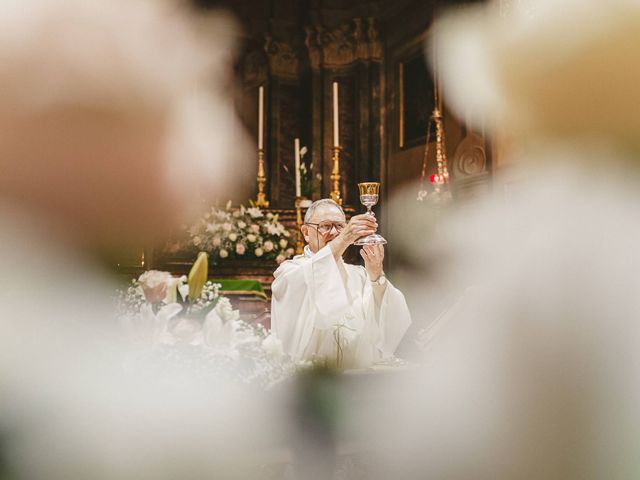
323,309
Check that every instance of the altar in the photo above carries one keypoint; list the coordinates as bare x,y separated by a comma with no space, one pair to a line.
244,278
245,246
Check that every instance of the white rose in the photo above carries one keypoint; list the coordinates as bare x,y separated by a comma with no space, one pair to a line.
233,237
226,226
223,253
155,285
153,278
241,224
283,243
251,238
259,252
268,246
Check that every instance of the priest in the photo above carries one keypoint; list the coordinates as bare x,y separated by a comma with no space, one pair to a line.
326,310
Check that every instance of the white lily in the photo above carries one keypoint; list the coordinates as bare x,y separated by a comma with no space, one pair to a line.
183,288
217,333
186,331
149,328
225,310
173,286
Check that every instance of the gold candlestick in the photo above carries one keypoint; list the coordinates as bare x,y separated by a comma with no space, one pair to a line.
335,176
261,201
299,240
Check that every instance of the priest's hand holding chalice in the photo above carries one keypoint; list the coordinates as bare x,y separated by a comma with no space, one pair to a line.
373,244
369,194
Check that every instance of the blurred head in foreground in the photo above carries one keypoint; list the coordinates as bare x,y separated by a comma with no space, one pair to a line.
115,116
532,369
545,71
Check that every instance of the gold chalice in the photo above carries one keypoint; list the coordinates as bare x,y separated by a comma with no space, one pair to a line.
369,193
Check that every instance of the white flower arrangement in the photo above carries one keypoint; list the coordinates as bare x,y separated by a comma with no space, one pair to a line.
180,323
242,232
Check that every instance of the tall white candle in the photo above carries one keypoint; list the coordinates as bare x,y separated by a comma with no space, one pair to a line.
336,140
260,117
296,147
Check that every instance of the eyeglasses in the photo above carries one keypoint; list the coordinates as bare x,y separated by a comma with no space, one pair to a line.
326,227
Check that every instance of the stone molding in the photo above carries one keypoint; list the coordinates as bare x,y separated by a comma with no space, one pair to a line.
284,59
357,39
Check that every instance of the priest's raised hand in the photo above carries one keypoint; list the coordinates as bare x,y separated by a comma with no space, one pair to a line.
359,226
373,259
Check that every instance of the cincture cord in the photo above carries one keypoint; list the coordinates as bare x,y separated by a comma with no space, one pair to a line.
337,337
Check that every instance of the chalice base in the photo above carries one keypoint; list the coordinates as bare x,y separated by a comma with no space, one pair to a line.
373,239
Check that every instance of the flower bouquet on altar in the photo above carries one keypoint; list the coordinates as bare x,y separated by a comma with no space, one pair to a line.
185,323
241,232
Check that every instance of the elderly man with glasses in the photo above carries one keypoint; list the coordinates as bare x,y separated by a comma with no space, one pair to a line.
326,310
